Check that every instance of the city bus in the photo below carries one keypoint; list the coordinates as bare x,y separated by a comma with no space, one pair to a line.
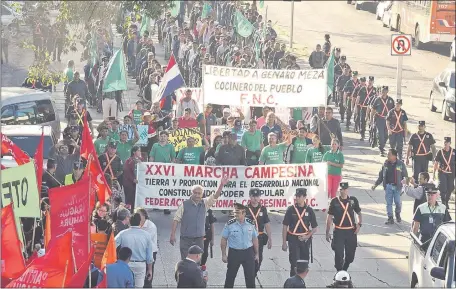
427,21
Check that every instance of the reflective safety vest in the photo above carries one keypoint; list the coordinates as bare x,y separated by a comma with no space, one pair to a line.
300,222
346,214
447,161
255,218
421,145
68,180
398,127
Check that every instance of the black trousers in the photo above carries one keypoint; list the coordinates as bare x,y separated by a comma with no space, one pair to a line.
262,240
362,121
348,111
297,250
344,244
446,186
207,242
147,283
236,258
420,164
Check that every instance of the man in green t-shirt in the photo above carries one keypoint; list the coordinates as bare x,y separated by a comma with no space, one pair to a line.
137,112
163,151
124,145
113,132
252,142
299,148
102,142
190,155
272,154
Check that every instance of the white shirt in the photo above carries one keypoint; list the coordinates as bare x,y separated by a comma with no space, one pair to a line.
150,227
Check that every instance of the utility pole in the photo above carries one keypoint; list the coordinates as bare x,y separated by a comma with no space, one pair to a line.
292,22
399,76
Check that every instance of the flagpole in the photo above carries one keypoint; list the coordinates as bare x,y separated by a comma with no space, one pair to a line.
74,259
64,274
88,223
33,234
24,246
54,178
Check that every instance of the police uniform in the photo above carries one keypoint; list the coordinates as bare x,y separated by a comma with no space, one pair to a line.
296,281
396,121
430,218
300,221
340,84
421,151
349,89
111,165
365,95
259,215
240,238
446,165
210,219
382,107
70,179
354,102
344,240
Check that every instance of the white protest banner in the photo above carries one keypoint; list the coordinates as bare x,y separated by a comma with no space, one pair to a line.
142,132
260,87
166,186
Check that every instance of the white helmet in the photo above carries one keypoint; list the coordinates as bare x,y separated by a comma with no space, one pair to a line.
342,276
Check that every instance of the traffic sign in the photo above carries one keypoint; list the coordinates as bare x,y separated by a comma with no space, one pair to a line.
401,45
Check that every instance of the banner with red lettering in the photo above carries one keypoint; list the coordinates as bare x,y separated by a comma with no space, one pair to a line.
260,87
165,186
70,210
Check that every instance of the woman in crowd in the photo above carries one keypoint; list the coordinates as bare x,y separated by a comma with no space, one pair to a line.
209,157
335,160
315,154
100,219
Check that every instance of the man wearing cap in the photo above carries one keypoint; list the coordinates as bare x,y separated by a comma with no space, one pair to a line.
298,226
421,148
241,236
349,89
354,107
364,97
78,170
341,213
259,215
380,108
110,162
297,281
340,84
187,102
430,215
188,273
396,123
391,174
444,163
191,214
238,130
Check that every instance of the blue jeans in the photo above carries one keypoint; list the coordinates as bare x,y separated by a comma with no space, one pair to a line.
392,194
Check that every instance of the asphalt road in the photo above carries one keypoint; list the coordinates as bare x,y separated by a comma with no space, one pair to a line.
381,258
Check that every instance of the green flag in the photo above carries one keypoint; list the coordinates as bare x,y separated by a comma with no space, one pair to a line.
116,75
261,4
243,26
145,24
176,8
330,73
207,9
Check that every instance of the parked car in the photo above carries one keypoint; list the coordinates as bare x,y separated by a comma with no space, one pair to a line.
366,5
10,19
27,138
453,50
431,265
381,7
26,106
442,95
386,18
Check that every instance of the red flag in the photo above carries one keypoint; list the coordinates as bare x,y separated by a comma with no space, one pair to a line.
70,210
47,230
109,257
39,162
93,167
8,147
78,279
13,264
53,270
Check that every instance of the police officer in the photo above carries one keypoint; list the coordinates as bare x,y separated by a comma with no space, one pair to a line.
341,212
380,108
259,215
349,89
209,237
78,170
430,215
297,281
396,123
421,147
341,280
363,99
327,47
242,238
340,84
353,102
444,163
299,224
110,162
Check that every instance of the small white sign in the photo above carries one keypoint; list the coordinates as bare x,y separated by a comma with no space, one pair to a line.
401,45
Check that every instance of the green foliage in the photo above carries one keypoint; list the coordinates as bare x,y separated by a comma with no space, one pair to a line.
153,9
